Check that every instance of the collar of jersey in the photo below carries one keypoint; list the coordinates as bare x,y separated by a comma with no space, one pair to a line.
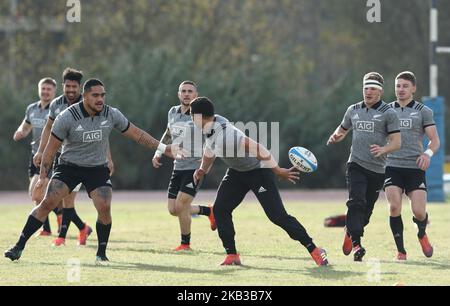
188,113
410,104
39,105
85,113
375,106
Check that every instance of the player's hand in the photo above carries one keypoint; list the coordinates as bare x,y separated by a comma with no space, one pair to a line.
292,175
37,159
18,135
377,151
334,138
111,167
156,161
423,162
198,175
176,152
40,183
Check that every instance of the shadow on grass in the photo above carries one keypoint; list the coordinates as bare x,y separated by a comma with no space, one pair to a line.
155,268
434,264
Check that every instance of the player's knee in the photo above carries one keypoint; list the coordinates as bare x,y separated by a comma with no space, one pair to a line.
47,205
419,214
173,211
103,208
395,210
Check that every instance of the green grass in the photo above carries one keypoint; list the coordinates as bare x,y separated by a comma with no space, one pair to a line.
144,234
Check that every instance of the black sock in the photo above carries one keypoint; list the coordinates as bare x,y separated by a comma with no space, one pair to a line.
422,226
356,241
31,227
103,232
66,218
46,226
204,211
311,247
397,230
186,239
76,219
57,211
231,250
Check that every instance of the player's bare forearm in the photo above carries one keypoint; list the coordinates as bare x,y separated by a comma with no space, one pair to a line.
433,136
141,137
394,144
338,135
22,131
45,135
166,137
260,152
207,162
50,150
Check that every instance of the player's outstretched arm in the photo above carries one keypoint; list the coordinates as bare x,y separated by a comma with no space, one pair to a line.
268,161
338,135
145,139
37,158
165,139
22,131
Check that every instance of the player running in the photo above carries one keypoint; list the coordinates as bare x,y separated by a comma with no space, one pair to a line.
85,128
182,189
405,171
35,117
254,171
376,133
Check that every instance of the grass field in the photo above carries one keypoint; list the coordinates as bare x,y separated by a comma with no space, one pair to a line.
144,234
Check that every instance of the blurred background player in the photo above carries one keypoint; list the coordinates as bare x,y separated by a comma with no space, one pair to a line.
182,188
84,160
71,95
251,167
35,118
376,133
405,171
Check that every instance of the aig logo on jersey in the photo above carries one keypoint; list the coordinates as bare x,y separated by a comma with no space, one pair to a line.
365,126
405,124
178,131
92,136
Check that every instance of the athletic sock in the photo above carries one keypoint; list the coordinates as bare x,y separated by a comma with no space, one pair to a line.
311,247
186,239
65,223
31,227
397,230
76,220
103,232
356,241
46,226
204,211
422,226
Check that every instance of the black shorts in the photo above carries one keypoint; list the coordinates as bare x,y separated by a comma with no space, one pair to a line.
91,177
182,180
407,179
33,170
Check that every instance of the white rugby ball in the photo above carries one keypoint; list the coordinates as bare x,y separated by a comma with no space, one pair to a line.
303,159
